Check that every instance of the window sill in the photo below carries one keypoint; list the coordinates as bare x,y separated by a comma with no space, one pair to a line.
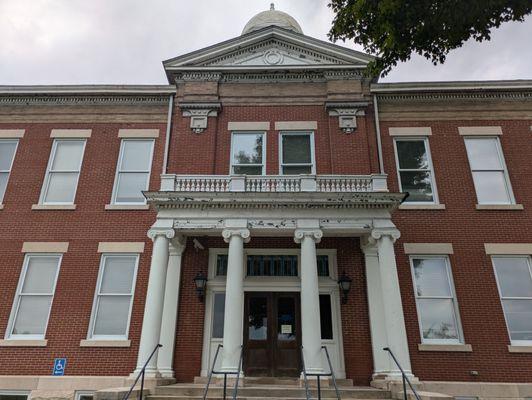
23,343
519,349
499,207
461,348
422,207
53,207
114,207
104,343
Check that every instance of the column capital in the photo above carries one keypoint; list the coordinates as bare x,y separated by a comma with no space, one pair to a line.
243,233
314,234
379,233
178,244
169,233
368,245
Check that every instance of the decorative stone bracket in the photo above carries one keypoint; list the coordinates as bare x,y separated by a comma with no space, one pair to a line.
347,114
199,114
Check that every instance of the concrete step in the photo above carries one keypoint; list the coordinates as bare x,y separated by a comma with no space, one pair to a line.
248,381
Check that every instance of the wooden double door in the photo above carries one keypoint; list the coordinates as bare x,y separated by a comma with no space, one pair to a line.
272,334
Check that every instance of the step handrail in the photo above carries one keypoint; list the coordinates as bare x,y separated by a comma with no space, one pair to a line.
405,377
224,373
318,375
332,372
141,374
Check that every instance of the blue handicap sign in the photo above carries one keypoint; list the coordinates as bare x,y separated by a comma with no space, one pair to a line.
59,366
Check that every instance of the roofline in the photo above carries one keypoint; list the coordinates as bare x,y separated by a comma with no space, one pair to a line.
447,86
249,68
87,89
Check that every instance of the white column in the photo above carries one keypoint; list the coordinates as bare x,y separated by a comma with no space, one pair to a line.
310,299
234,298
394,321
153,310
171,302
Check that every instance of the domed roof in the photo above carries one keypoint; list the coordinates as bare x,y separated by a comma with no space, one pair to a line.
272,17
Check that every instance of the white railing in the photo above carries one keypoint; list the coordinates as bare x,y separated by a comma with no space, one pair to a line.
274,183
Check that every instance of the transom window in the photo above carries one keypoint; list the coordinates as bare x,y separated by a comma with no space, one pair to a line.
414,167
490,177
247,153
435,299
114,296
62,174
297,153
7,154
514,278
34,296
133,171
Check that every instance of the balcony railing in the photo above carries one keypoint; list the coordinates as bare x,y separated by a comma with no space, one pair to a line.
274,183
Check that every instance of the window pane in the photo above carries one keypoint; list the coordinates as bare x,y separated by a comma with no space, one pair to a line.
112,316
61,187
136,155
296,149
240,170
32,315
519,317
3,184
218,318
247,148
418,184
412,154
431,277
13,397
130,187
7,151
326,317
40,275
68,155
286,319
118,275
437,319
483,153
297,170
258,318
514,276
491,187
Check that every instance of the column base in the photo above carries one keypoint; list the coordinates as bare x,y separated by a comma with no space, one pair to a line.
151,373
166,373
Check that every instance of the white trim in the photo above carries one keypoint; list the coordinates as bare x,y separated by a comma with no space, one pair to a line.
23,343
45,247
51,207
519,349
500,207
428,248
413,206
410,131
452,297
90,334
8,171
312,151
79,393
123,207
104,343
463,348
138,133
296,125
248,126
16,302
121,247
12,133
231,164
479,130
430,169
524,249
8,392
71,133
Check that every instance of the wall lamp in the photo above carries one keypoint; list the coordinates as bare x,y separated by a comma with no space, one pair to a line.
345,286
201,282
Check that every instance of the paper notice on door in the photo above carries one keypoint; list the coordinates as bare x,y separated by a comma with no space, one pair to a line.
286,329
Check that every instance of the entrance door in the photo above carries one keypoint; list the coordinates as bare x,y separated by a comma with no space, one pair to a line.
272,335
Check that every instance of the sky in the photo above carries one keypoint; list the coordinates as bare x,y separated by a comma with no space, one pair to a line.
124,41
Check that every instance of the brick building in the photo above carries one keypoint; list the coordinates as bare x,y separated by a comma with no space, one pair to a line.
317,206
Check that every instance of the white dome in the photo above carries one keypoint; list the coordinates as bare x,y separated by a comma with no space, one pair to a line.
272,17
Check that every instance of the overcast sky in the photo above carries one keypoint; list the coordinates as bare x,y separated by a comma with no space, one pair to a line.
124,41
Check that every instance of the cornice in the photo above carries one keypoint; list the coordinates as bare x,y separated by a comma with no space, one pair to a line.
73,99
518,95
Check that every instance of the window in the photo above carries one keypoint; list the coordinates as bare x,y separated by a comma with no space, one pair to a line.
133,171
114,295
297,153
83,395
514,278
218,319
7,154
489,172
62,174
247,154
13,395
34,296
326,317
414,167
435,300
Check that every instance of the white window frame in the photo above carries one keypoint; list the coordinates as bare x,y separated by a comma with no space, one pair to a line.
118,172
312,150
233,133
95,304
80,393
49,172
18,295
15,393
460,339
501,298
8,171
430,169
504,169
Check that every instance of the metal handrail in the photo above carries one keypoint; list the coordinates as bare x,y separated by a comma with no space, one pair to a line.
318,375
405,378
332,372
224,373
141,374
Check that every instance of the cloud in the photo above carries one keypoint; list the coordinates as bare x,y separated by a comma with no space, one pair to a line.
124,41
